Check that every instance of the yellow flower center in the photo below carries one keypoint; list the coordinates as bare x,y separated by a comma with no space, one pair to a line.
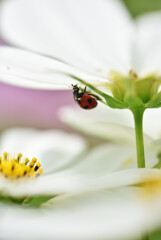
18,167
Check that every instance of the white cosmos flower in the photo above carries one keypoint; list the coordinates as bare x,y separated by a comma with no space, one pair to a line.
116,214
68,165
55,150
87,39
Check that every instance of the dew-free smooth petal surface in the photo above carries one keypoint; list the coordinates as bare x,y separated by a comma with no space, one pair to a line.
147,45
91,216
108,158
67,182
93,35
103,122
107,123
152,124
27,69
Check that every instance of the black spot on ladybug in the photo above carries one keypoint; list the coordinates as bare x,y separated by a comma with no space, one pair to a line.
84,100
85,107
89,100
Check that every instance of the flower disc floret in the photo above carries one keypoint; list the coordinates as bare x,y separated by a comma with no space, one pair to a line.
19,167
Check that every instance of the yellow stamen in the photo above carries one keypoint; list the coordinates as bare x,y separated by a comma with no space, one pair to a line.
19,167
5,155
34,160
40,172
37,166
19,156
26,161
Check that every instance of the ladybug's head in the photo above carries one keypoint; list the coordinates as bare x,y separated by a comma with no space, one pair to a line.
75,88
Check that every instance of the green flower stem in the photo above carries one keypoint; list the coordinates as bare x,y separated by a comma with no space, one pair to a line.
138,118
145,237
138,113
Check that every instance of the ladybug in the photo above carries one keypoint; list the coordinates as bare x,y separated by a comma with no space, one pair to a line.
85,101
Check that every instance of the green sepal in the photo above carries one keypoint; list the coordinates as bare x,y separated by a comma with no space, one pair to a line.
36,201
114,103
134,91
158,164
133,102
110,101
154,102
26,201
147,88
11,199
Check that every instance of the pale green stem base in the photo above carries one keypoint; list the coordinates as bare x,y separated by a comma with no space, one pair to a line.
138,119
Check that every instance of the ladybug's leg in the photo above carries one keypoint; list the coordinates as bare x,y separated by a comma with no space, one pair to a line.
88,92
91,94
95,96
85,89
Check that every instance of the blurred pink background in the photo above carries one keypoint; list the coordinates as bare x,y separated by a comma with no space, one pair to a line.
33,108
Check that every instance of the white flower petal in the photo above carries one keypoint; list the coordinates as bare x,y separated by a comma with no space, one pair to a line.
106,166
152,123
103,122
108,158
116,214
94,35
148,43
27,69
69,182
68,170
23,68
54,149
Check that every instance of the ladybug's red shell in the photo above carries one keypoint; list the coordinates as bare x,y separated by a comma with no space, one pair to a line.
87,102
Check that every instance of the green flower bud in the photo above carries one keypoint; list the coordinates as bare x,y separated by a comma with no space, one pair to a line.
135,91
